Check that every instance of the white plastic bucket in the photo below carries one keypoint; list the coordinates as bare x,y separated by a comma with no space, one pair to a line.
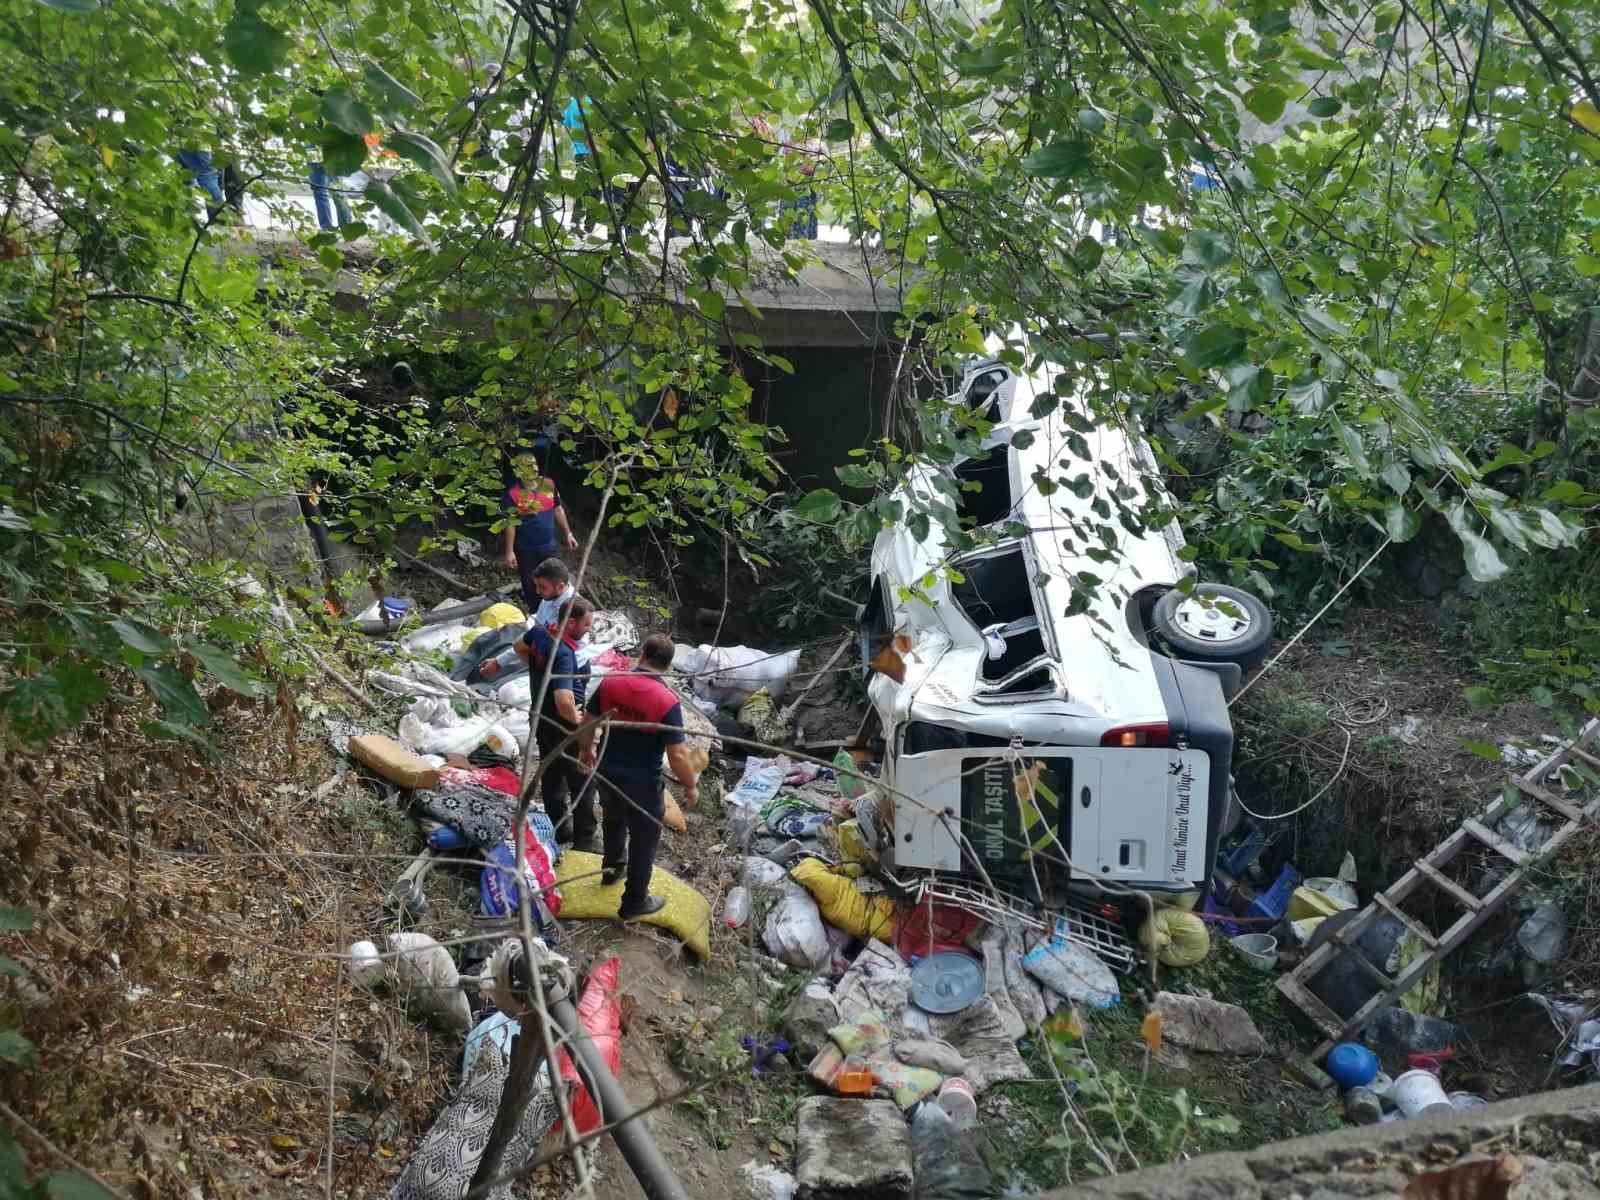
1260,950
956,1098
1420,1094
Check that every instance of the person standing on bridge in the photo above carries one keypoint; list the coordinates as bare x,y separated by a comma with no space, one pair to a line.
536,516
629,773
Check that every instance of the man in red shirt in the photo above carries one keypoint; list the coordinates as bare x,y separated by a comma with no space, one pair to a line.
629,772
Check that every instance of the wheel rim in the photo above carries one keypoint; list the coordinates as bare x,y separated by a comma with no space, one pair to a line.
1223,622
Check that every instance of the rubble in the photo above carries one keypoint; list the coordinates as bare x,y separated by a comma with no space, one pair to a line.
852,1148
1196,1023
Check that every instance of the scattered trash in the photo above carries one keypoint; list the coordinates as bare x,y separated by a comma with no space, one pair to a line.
1363,1106
424,976
600,1014
767,1182
366,967
867,1043
389,759
1351,1065
944,1153
1260,950
497,1026
763,1054
842,905
1461,1101
979,1036
1399,1031
1197,1023
879,978
1321,897
932,1053
1419,1094
947,982
731,674
852,1148
1175,938
958,1102
736,908
794,932
809,1017
1071,971
1271,904
1542,937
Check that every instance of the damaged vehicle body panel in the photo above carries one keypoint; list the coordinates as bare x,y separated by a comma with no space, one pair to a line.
1036,719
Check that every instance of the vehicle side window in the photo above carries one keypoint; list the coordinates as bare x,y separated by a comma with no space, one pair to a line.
877,621
981,393
985,483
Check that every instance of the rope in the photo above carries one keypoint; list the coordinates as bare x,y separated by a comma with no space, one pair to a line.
1306,628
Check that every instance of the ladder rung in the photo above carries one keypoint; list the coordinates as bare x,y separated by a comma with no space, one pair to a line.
1353,952
1406,919
1330,1022
1459,894
1549,800
1592,760
1495,842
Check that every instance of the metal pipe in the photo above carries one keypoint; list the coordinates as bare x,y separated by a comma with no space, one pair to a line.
632,1136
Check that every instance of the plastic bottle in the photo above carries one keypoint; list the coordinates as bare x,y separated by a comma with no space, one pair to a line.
946,1158
1362,1106
736,908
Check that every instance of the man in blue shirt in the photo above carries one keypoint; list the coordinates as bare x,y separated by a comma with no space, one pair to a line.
629,772
565,787
566,791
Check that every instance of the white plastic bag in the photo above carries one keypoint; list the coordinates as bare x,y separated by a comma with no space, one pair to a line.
516,692
1071,971
366,966
424,973
794,931
726,673
761,874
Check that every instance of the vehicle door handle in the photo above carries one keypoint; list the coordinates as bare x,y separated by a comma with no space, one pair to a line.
1084,797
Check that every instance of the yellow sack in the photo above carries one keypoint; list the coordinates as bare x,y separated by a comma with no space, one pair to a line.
1309,902
842,905
757,709
1176,938
687,914
853,844
500,614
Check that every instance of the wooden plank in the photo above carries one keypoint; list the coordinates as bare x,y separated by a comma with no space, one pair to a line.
1549,800
1328,1021
1495,842
1459,894
1410,922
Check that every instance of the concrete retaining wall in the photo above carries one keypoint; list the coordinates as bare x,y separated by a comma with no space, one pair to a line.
1556,1135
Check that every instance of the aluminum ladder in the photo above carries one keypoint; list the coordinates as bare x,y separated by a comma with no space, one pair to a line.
1475,910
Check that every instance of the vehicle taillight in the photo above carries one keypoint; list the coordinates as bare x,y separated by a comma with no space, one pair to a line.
1136,735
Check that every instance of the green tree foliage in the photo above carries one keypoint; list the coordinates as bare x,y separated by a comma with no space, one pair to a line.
1370,229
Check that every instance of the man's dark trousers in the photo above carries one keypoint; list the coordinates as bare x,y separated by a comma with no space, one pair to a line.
632,807
565,783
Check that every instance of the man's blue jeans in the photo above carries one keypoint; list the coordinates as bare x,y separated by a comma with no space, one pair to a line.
201,172
330,203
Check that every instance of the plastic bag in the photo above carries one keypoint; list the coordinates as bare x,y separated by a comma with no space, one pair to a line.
1177,938
756,710
500,614
762,874
945,1158
794,932
759,784
600,1014
727,673
843,906
425,975
1071,971
366,967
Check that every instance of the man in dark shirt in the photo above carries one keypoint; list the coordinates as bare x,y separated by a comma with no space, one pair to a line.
629,774
565,784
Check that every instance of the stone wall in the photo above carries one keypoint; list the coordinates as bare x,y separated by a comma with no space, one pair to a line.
1555,1135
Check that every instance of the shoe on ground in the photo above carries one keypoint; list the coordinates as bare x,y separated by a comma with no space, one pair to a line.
611,876
652,904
